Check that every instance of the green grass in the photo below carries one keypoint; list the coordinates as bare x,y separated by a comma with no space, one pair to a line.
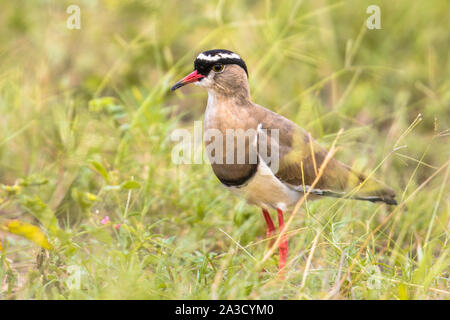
83,112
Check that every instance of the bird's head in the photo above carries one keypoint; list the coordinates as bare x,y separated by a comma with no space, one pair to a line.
219,71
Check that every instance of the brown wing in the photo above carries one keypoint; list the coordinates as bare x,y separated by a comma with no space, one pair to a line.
301,158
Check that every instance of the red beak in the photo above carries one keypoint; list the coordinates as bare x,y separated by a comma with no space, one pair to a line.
192,77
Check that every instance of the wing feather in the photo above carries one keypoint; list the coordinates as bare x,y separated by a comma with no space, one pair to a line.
300,157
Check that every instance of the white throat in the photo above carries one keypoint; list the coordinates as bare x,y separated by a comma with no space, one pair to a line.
211,108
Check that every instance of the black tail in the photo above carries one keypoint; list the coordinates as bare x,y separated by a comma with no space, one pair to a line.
386,197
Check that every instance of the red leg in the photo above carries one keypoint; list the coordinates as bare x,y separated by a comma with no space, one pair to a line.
270,226
284,242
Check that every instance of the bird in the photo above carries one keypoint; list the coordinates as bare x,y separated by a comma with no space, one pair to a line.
224,74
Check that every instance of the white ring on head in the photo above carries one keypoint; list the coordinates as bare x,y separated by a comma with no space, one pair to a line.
218,56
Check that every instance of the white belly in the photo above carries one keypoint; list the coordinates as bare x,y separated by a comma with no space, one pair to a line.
266,191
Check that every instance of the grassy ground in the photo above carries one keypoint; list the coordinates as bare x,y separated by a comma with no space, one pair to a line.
84,134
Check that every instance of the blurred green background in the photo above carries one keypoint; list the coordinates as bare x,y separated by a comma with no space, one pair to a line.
84,133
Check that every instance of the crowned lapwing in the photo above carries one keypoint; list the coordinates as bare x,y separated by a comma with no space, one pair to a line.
229,109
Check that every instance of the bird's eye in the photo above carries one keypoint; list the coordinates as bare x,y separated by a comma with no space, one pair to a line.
218,67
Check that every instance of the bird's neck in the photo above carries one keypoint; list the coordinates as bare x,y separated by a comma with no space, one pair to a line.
227,112
238,96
